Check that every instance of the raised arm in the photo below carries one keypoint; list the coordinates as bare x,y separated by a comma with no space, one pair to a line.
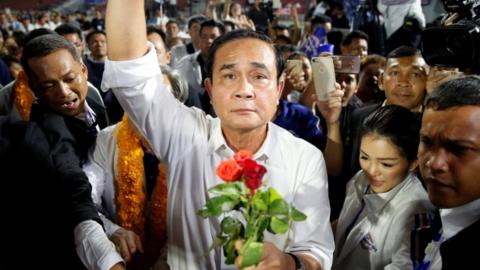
125,28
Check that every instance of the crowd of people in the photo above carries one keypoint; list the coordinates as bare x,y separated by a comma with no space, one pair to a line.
112,128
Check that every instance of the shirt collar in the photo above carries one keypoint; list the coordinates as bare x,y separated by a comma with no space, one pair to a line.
456,219
218,144
88,115
376,201
420,109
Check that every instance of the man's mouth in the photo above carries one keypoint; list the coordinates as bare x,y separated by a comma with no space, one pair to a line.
69,105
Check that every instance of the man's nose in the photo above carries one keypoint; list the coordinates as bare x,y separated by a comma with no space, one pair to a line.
63,90
438,161
403,79
245,89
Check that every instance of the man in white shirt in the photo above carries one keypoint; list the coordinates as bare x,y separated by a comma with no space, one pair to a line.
449,157
244,84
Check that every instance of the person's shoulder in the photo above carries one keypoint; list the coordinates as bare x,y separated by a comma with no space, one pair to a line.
413,197
292,145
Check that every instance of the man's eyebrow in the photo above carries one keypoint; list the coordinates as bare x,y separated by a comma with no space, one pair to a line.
254,64
227,66
259,65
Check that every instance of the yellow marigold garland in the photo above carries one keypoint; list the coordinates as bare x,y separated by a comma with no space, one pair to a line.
23,96
130,194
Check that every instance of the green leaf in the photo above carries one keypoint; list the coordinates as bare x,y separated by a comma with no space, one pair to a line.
260,201
279,207
218,241
273,195
278,225
228,189
229,251
252,253
296,215
231,227
218,205
262,225
204,213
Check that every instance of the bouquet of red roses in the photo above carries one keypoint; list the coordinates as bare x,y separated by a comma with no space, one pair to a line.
262,209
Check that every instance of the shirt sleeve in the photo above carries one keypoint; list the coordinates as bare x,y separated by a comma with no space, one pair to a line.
94,248
314,236
167,124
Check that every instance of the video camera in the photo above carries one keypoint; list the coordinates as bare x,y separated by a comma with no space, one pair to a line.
456,44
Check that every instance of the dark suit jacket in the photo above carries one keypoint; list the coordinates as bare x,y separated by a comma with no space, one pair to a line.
460,251
84,135
44,194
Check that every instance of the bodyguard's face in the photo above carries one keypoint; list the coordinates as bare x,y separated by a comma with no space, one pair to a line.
244,89
60,82
449,155
404,81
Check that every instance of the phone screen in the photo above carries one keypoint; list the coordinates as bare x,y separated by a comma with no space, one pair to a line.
348,64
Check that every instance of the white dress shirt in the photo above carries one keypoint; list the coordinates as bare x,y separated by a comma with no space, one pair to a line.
380,237
395,14
192,145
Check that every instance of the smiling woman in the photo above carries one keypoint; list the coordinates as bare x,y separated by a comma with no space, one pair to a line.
374,226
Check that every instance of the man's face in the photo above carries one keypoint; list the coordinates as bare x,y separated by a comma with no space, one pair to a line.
76,41
359,46
194,32
404,81
172,30
244,89
60,82
369,78
98,45
207,36
348,83
162,55
449,155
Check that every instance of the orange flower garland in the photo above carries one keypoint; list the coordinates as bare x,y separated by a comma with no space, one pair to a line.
130,194
23,96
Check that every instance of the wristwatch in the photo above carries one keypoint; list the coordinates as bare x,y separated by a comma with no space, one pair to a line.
298,263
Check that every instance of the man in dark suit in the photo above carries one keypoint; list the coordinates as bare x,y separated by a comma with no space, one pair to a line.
44,194
449,158
58,78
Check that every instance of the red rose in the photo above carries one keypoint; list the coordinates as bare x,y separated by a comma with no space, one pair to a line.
253,173
241,156
229,171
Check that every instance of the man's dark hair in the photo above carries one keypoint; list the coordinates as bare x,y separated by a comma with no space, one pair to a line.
232,25
69,28
196,19
172,21
297,55
152,29
457,92
213,23
94,32
238,35
287,48
283,38
281,27
398,124
36,33
45,45
404,51
319,19
355,34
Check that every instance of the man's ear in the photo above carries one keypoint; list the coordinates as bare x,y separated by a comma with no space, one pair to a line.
84,70
208,87
413,166
380,81
168,56
281,85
